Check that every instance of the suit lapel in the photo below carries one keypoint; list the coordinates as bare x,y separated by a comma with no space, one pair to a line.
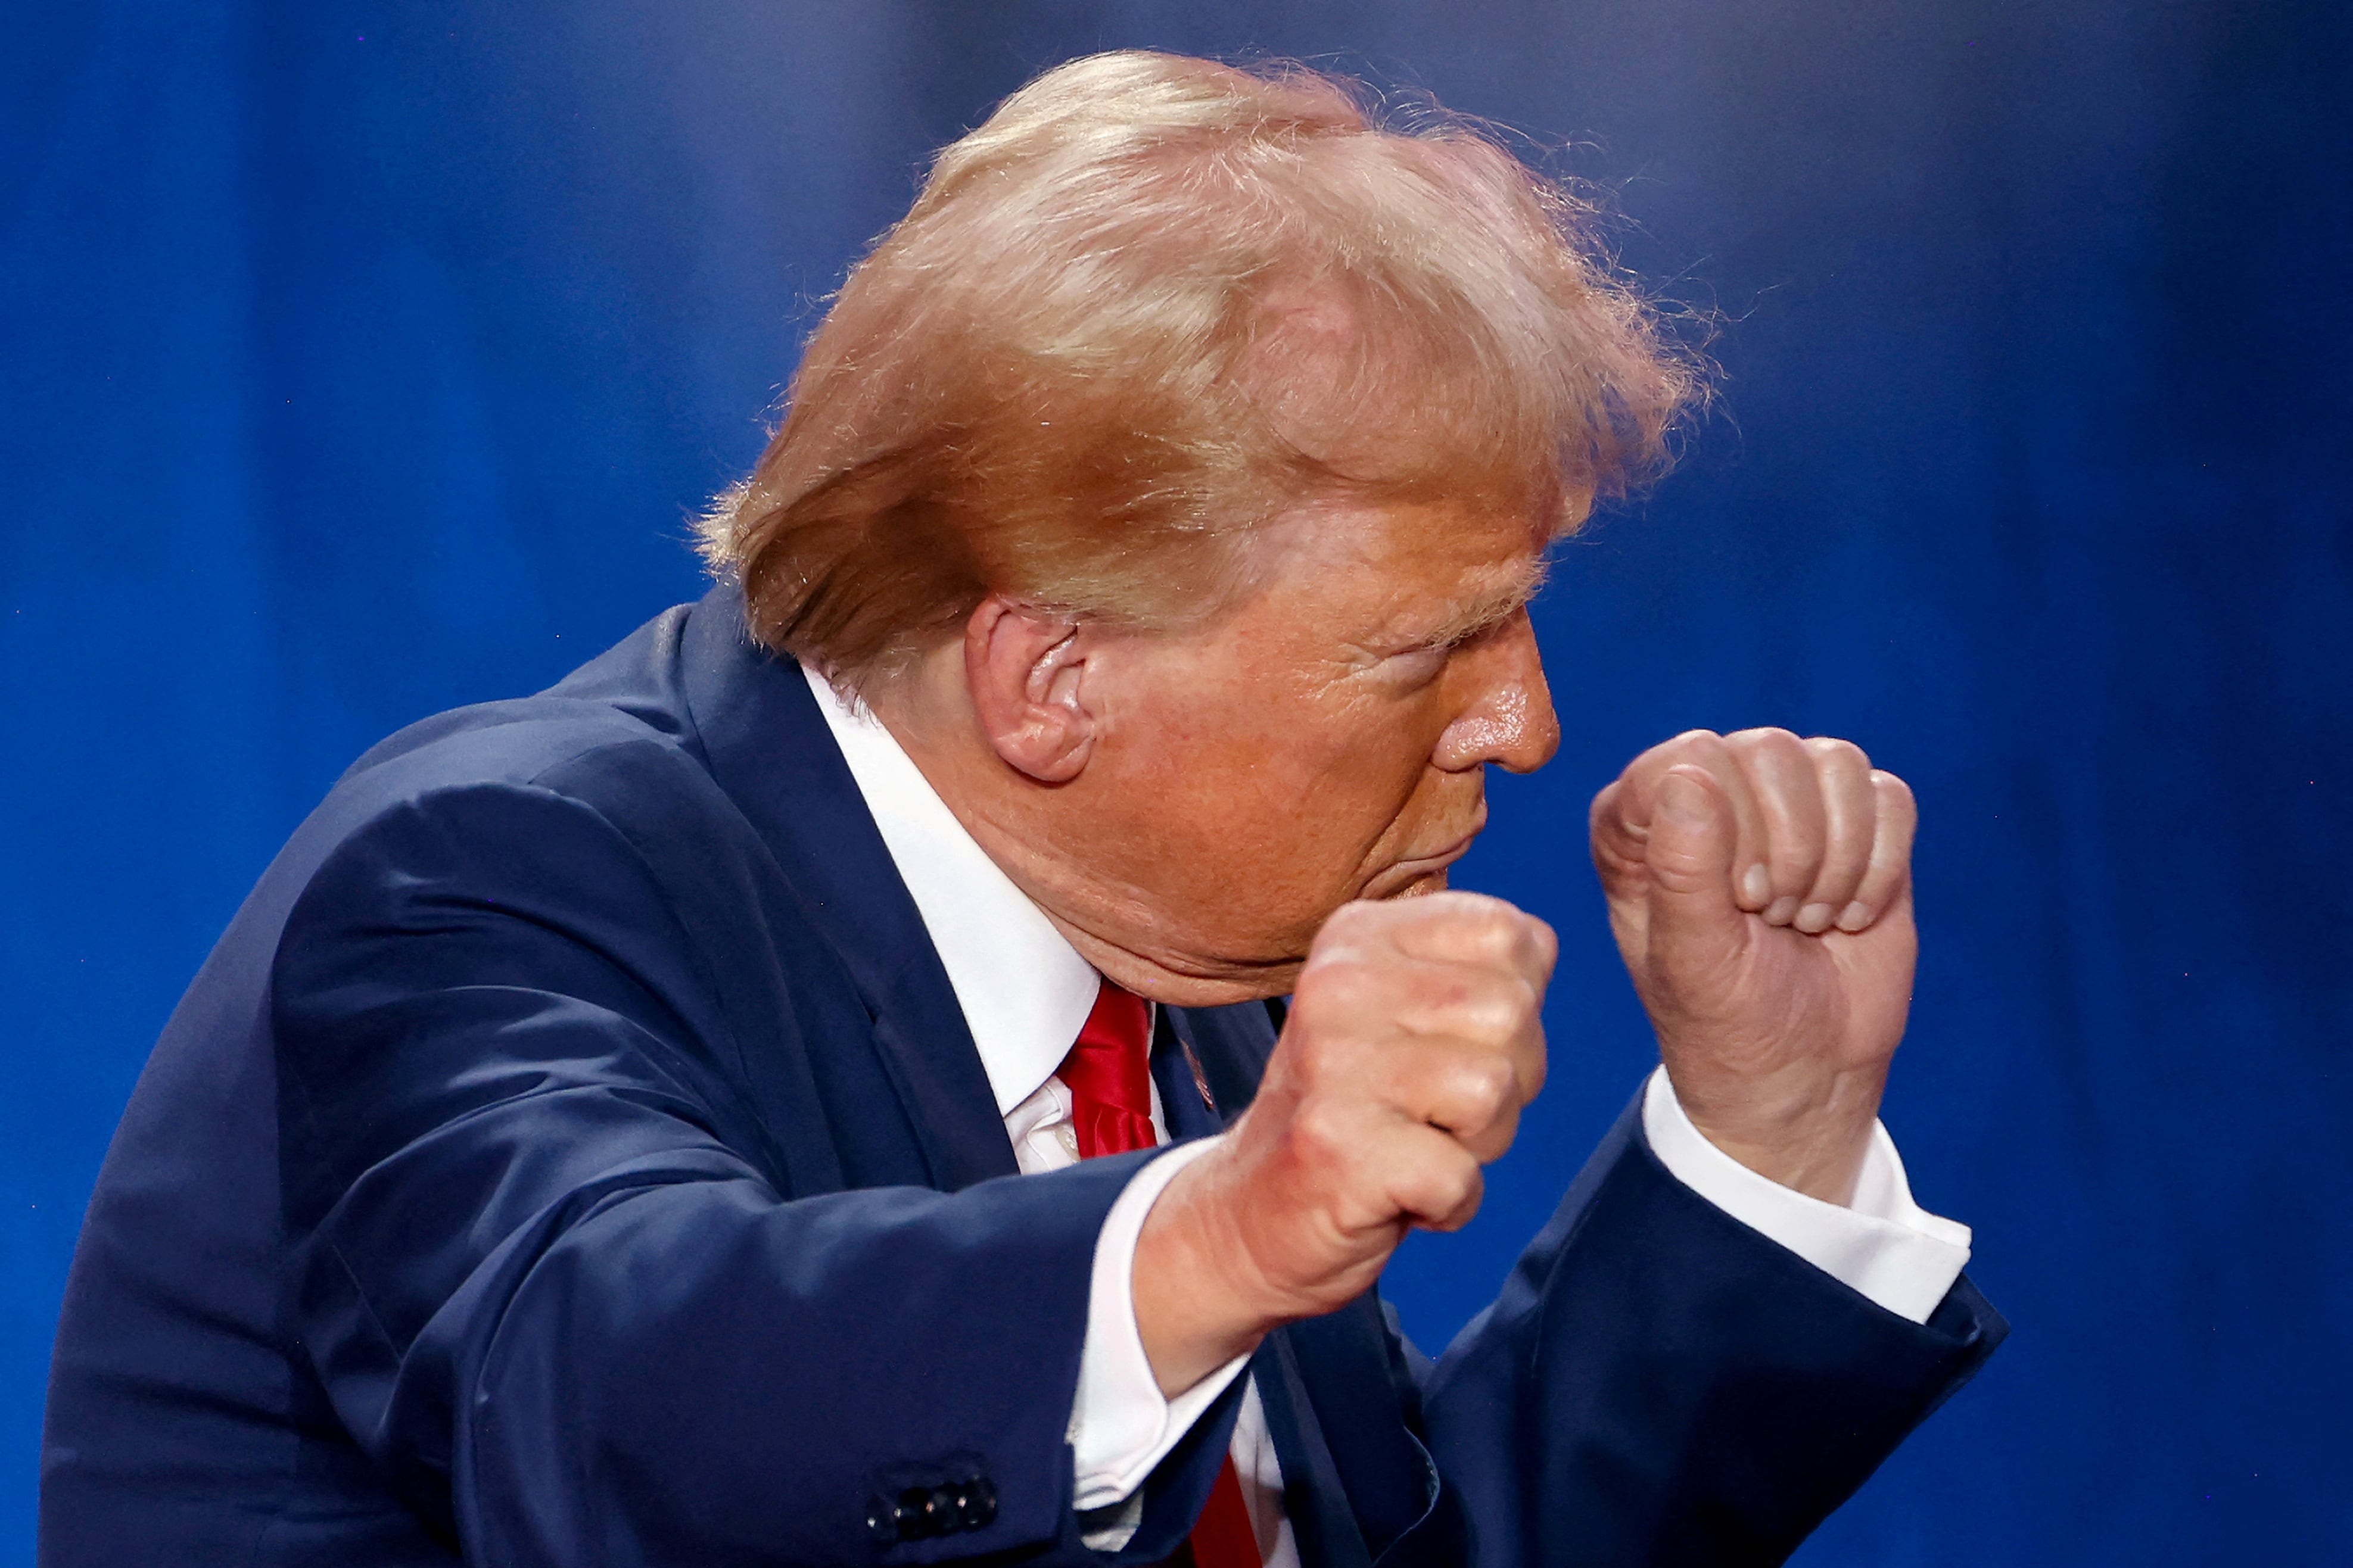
769,749
1211,1059
1206,1067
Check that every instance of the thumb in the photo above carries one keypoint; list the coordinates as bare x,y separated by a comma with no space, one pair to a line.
1694,925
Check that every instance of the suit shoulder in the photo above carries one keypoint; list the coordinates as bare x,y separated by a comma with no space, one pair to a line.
519,741
630,691
587,768
542,788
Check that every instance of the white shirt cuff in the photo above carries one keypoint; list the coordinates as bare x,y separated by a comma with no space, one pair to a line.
1121,1424
1884,1245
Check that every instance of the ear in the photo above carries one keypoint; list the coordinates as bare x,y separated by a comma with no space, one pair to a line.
1027,673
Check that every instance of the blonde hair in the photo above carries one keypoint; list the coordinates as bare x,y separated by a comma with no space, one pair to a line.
1148,303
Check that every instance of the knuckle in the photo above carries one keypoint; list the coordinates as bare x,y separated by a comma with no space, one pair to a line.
1763,738
1313,1048
1456,904
1512,1001
1495,929
1539,951
1324,986
1317,1133
1488,1011
1494,1141
1691,746
1486,1085
1830,749
1461,1188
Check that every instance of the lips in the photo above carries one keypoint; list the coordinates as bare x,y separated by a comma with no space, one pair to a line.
1403,874
1438,858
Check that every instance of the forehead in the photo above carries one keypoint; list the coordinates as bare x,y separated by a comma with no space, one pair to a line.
1403,568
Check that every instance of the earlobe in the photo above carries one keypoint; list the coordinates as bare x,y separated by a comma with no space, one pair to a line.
1026,671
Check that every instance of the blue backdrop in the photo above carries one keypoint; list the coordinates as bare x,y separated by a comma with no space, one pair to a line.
366,359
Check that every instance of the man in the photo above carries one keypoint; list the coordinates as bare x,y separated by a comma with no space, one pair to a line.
710,1112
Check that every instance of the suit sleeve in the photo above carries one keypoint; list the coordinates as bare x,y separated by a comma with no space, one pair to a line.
549,1273
1659,1384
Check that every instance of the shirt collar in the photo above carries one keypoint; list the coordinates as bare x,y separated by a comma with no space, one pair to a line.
1024,989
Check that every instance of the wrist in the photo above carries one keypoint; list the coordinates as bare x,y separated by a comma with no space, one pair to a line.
1192,1312
1811,1133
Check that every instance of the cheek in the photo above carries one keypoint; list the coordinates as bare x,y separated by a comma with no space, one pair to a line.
1348,766
1252,824
1347,798
1306,782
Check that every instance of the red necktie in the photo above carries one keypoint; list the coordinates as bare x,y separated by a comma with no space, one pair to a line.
1109,1075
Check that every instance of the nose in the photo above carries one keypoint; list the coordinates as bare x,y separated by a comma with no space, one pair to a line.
1507,716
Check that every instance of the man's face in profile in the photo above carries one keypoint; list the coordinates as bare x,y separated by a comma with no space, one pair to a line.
1325,739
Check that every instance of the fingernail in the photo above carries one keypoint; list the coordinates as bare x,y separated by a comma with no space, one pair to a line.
1680,798
1815,919
1779,911
1854,917
1756,884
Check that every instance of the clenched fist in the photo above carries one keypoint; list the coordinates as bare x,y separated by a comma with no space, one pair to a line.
1760,890
1414,1037
1759,886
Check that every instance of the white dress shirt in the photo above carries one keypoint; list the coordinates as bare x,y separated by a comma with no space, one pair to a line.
1026,992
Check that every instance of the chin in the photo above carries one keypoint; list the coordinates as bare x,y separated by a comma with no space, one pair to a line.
1187,990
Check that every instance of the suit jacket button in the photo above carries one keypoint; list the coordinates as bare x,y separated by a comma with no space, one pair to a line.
917,1514
976,1505
881,1520
956,1501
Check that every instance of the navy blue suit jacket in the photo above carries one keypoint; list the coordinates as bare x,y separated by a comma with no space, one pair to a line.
574,1153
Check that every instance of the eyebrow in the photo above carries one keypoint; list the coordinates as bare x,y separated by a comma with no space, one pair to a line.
1488,610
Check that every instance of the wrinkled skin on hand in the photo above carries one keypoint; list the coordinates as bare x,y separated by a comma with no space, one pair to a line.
1760,890
1414,1038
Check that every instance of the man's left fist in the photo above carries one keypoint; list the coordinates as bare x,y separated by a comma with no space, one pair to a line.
1761,889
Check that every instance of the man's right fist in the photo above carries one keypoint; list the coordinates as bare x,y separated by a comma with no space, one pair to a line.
1414,1037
